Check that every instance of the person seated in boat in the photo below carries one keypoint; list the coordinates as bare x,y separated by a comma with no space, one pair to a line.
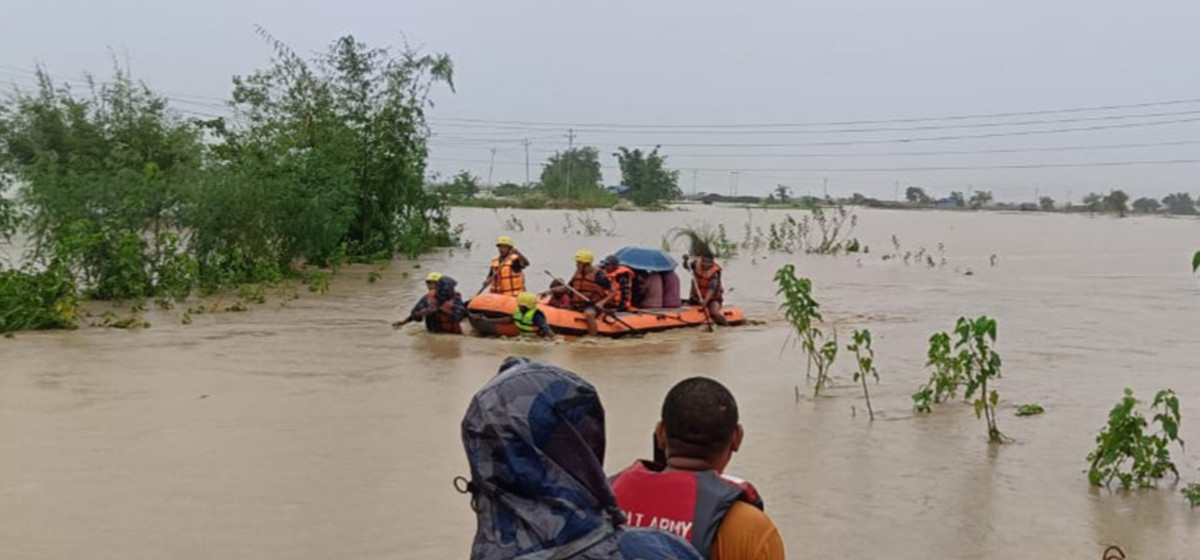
528,318
720,515
708,291
443,310
621,278
589,289
534,440
506,275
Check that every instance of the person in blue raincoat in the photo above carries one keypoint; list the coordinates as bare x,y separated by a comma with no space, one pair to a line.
534,439
442,309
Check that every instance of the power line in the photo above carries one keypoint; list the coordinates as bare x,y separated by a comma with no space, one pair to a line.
868,130
751,170
838,123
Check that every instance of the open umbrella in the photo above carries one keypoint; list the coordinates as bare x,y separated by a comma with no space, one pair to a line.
643,258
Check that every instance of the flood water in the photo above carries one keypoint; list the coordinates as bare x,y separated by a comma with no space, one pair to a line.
314,431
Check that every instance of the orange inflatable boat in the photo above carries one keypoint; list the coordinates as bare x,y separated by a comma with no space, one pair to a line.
566,321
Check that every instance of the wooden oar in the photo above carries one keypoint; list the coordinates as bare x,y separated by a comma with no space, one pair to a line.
588,299
708,320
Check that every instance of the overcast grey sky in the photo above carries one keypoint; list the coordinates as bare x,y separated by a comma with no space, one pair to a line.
705,62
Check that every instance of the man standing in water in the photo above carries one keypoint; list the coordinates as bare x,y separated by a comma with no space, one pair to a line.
442,309
720,515
707,289
506,275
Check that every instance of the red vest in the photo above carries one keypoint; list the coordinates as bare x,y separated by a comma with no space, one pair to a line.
690,504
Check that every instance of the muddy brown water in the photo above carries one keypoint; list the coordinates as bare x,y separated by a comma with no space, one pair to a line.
312,430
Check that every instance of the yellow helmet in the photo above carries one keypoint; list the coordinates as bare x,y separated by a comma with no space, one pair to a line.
506,241
527,300
584,256
433,277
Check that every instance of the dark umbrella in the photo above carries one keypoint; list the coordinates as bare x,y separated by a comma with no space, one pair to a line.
643,258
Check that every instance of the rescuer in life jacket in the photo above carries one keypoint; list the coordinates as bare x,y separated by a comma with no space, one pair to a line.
708,291
621,278
528,319
506,275
589,289
688,495
442,308
534,439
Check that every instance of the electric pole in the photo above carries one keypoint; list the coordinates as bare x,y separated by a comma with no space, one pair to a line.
526,161
694,172
825,187
570,156
896,192
491,165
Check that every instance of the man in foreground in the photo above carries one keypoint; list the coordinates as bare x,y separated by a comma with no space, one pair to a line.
534,438
720,515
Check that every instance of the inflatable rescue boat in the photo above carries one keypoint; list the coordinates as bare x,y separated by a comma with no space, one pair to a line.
566,321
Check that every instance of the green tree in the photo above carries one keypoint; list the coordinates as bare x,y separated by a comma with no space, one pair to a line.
511,190
981,199
1046,204
646,175
1146,206
1180,203
1116,201
959,200
102,175
573,174
916,195
332,152
1093,202
783,194
463,186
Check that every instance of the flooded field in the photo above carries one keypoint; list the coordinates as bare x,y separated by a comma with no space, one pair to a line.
313,430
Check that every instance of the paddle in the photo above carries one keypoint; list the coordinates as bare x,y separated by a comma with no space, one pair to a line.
588,299
708,320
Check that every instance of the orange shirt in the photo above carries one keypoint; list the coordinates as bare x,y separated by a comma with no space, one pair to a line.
746,533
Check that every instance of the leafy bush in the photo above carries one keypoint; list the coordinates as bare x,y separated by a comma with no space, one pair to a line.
1124,449
865,356
31,300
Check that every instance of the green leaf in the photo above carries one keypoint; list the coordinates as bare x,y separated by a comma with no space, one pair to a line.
978,408
1196,262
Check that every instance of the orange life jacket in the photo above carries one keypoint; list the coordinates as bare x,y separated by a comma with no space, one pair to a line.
704,282
446,320
505,280
621,290
586,285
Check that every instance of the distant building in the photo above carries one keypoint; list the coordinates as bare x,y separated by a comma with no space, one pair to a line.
619,190
947,203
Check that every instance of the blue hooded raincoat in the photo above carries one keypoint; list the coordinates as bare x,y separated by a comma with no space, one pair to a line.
534,437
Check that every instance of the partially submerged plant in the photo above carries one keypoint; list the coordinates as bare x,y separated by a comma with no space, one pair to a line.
1030,409
803,312
706,240
1124,449
1192,493
973,366
865,356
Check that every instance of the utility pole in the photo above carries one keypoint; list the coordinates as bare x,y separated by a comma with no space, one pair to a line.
491,165
526,161
1037,196
733,183
570,156
825,187
896,192
694,172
